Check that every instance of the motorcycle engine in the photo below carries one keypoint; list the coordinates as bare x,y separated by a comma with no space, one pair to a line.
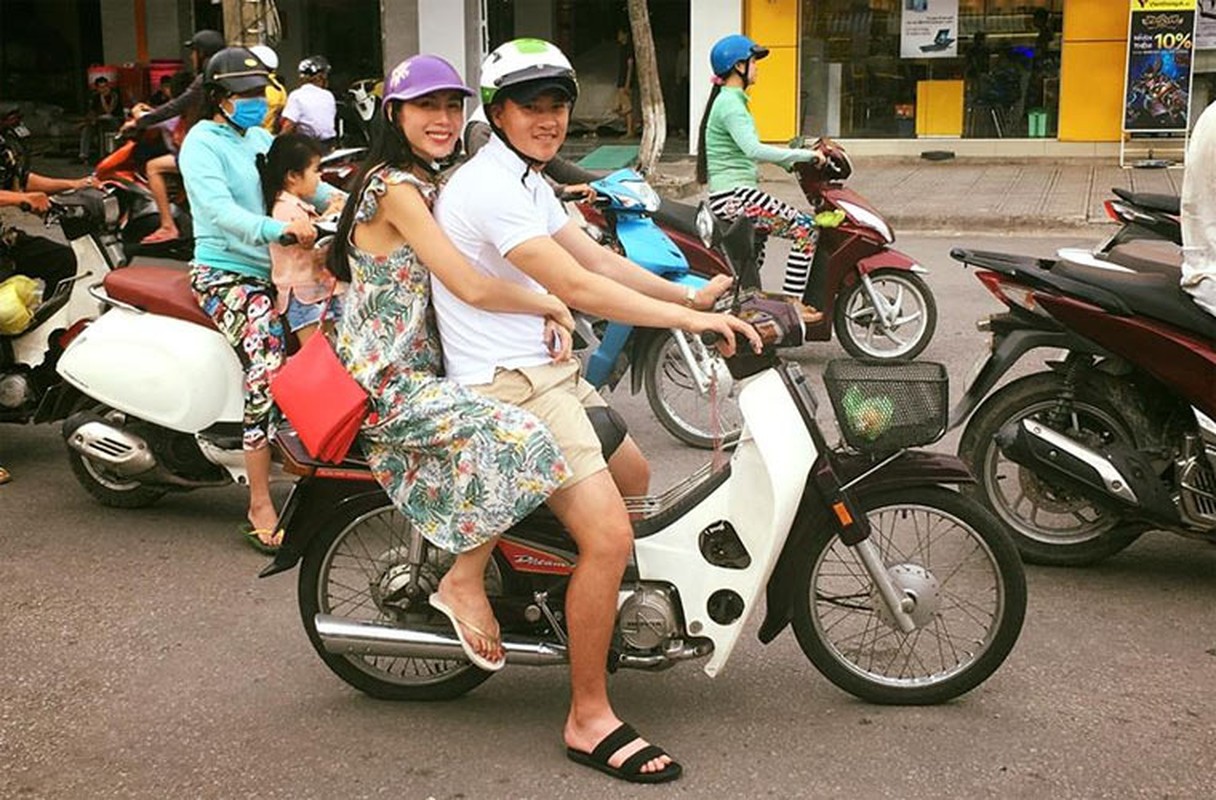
648,617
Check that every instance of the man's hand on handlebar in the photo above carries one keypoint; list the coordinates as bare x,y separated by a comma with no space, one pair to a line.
35,202
724,326
577,193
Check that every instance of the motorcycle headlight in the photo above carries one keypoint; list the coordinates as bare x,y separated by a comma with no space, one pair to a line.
705,225
647,196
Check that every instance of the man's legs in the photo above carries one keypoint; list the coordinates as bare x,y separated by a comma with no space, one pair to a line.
157,168
594,514
630,469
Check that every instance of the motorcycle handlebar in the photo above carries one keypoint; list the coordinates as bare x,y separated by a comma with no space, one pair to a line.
711,338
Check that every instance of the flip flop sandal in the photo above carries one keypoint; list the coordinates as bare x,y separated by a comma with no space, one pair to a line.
631,768
160,237
5,476
254,537
478,660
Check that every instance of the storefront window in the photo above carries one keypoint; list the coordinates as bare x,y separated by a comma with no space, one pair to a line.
992,73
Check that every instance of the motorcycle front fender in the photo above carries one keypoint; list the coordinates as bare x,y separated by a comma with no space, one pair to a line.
888,258
913,468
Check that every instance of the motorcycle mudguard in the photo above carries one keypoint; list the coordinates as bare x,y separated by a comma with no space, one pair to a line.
913,468
163,370
888,258
308,509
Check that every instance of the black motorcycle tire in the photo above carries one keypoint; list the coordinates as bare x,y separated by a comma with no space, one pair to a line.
978,448
112,492
852,677
686,432
319,553
845,335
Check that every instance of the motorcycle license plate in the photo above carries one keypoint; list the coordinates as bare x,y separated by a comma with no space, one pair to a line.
21,132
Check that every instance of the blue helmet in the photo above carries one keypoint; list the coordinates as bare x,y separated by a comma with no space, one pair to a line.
730,50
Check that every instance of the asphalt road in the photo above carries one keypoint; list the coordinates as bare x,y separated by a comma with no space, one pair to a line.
142,658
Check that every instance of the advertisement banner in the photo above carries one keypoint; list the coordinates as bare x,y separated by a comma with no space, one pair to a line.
929,29
1159,48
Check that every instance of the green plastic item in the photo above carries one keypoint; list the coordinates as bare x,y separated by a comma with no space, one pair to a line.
867,417
830,219
610,156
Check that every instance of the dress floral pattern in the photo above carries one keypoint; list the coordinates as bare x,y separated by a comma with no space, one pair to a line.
461,466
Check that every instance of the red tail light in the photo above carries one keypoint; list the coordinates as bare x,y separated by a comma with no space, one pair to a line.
1009,291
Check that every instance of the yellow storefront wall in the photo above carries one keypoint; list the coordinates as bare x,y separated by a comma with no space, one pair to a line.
774,98
1093,60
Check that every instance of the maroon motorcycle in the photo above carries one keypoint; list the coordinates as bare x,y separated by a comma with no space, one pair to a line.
1117,437
873,296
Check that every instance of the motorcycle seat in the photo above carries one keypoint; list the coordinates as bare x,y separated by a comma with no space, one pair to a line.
1165,203
1148,256
157,290
677,216
1152,294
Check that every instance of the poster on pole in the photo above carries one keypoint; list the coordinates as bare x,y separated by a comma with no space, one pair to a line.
1157,98
928,29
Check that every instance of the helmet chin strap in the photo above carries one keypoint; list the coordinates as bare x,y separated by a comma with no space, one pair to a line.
230,120
742,73
533,163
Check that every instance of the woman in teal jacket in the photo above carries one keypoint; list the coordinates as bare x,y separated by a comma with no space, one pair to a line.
230,273
727,159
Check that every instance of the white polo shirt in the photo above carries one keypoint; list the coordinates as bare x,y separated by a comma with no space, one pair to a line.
490,206
313,110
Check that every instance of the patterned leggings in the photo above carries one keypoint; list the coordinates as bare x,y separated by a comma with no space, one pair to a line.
772,216
243,310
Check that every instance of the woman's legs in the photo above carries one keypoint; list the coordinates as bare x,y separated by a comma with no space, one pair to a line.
157,168
773,216
463,589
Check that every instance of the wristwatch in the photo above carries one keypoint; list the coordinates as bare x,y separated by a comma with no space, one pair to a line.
690,296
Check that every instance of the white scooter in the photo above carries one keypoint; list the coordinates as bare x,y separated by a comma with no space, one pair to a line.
30,389
899,589
163,393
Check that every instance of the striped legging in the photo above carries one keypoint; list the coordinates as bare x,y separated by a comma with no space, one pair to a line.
772,216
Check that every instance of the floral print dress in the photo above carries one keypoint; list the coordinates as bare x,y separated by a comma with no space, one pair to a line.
462,467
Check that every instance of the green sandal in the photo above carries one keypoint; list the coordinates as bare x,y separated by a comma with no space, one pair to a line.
254,537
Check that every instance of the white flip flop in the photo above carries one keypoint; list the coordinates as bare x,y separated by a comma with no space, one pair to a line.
478,660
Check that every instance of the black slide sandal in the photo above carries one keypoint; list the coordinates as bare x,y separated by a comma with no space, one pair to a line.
630,769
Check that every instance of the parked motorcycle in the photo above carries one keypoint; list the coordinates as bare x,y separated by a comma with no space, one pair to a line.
835,538
686,383
873,296
1143,218
124,170
1116,438
356,110
30,389
159,392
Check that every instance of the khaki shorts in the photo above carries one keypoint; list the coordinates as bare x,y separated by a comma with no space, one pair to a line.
557,396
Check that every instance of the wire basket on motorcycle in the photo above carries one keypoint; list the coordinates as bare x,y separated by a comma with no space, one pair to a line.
882,407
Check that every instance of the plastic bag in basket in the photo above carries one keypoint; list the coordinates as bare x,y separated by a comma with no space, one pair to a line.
867,417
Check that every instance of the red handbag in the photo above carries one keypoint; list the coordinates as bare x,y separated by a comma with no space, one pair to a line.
320,399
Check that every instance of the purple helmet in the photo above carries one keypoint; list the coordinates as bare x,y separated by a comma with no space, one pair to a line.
420,75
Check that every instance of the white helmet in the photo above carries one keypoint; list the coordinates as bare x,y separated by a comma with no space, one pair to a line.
523,68
268,57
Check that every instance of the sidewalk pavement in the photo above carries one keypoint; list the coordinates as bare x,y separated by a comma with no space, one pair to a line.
973,195
963,195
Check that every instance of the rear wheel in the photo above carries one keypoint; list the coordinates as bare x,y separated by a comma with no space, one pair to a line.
968,592
1050,524
105,486
358,567
900,329
682,406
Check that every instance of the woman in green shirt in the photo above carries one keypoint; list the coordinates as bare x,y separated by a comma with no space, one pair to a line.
727,159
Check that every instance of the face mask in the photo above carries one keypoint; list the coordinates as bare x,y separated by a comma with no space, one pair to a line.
248,112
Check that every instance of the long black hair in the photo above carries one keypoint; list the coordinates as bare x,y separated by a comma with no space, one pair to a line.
702,163
389,147
290,152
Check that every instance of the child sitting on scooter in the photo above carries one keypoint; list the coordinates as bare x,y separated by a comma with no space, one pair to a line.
290,172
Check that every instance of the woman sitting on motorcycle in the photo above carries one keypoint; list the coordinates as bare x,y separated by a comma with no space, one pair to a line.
230,273
461,466
727,154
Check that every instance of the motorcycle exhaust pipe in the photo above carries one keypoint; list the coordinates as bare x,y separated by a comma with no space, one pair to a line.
1115,476
91,435
343,636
